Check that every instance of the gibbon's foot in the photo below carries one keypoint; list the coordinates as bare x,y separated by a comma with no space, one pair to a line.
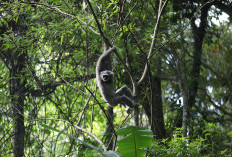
129,110
136,104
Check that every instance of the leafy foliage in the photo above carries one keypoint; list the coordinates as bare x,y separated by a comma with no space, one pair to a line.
180,146
134,142
104,153
48,53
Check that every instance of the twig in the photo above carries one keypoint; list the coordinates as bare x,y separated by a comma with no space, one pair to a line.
83,110
61,12
102,108
153,40
79,128
123,22
182,30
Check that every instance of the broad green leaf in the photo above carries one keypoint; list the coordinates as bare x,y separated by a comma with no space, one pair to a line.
135,141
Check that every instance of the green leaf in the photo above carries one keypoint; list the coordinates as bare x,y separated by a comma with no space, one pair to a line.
4,21
61,40
229,133
135,141
16,19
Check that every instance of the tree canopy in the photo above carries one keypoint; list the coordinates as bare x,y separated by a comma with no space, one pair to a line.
174,55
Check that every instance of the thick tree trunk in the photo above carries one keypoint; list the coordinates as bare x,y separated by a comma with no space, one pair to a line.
15,61
154,109
198,35
157,105
17,92
18,122
157,110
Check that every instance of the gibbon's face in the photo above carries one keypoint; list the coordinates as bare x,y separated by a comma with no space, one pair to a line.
107,76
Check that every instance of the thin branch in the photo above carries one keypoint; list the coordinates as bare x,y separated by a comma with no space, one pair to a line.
106,40
102,108
182,30
51,86
213,71
61,12
221,109
83,110
123,22
153,40
79,128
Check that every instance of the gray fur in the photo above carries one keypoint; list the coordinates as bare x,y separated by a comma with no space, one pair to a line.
105,83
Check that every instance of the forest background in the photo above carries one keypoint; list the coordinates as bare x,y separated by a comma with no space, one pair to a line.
174,55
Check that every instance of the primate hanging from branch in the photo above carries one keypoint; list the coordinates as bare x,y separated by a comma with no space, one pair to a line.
105,83
104,74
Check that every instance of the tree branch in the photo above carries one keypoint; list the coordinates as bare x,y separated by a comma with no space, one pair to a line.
61,12
160,10
182,30
50,87
224,7
78,128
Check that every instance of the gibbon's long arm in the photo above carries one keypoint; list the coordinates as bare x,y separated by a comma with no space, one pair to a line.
108,52
104,62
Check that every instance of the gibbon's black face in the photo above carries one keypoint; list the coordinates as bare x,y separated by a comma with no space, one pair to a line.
107,76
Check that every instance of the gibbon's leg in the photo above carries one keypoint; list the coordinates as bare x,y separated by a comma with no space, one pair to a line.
124,95
124,100
124,90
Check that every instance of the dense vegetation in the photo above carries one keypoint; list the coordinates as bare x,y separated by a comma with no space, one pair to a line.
175,56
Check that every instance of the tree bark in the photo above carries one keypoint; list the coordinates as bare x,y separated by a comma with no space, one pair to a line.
157,110
154,110
14,60
157,105
17,92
